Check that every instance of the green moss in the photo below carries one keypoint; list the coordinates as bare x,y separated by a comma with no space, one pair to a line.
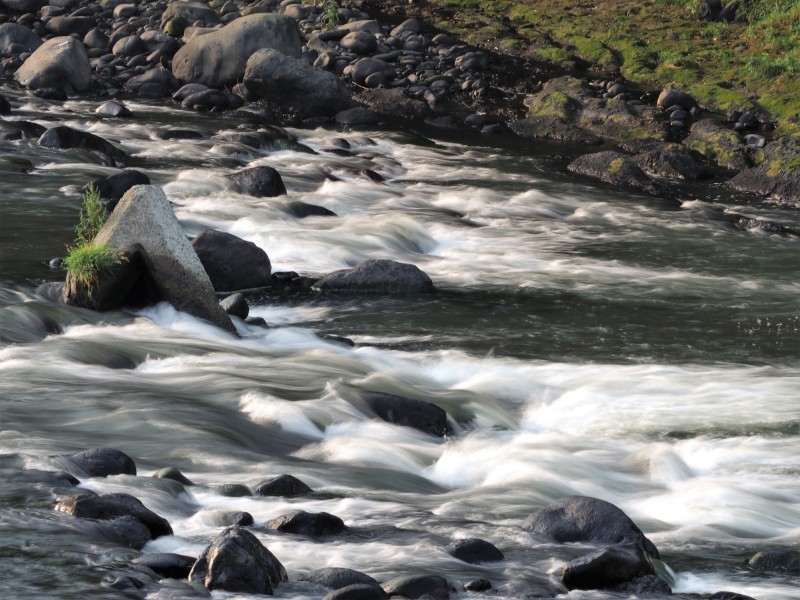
555,104
555,56
615,166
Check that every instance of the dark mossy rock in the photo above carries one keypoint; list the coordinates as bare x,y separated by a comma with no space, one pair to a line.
301,210
64,138
287,486
777,175
553,128
358,591
407,412
378,276
606,568
174,474
234,490
588,520
310,524
748,223
614,168
474,551
231,262
670,162
113,187
100,462
393,103
261,182
417,586
167,564
236,305
237,562
111,506
338,577
776,560
718,144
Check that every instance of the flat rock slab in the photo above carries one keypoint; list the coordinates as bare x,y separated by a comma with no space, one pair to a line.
377,275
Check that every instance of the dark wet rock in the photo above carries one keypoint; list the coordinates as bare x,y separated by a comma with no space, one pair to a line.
236,305
588,520
424,416
776,561
644,586
261,182
50,93
727,596
234,490
214,100
219,58
310,524
359,42
96,39
167,564
113,108
113,187
477,585
338,339
417,586
719,144
111,506
100,462
777,175
237,562
393,103
24,6
357,117
670,162
364,68
173,474
60,63
294,85
180,134
671,97
749,223
378,275
286,486
157,82
231,262
358,591
241,518
553,128
187,90
124,531
337,578
127,583
301,210
190,12
65,26
65,138
54,478
370,174
606,568
160,263
5,107
474,551
16,39
614,168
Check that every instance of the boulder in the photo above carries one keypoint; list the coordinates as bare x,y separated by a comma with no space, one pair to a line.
231,262
417,586
393,103
51,478
337,578
261,182
219,58
61,63
358,591
378,275
474,551
614,168
237,562
670,162
301,210
407,412
157,82
776,561
125,531
359,42
236,306
311,524
173,474
777,176
145,231
65,138
644,586
671,97
588,520
718,144
24,6
16,39
113,187
111,506
286,486
190,12
606,568
240,518
114,109
364,68
70,25
99,462
295,85
167,564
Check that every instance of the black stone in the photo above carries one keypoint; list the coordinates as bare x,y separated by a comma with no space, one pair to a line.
113,187
338,577
477,585
408,412
260,182
310,524
167,564
358,591
5,107
236,305
101,462
172,473
242,518
63,138
474,551
417,586
286,486
231,262
111,506
301,210
605,568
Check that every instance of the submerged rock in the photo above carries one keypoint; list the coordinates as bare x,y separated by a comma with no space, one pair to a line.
418,586
65,138
606,568
408,412
237,562
167,564
776,560
337,578
358,591
378,275
111,506
173,474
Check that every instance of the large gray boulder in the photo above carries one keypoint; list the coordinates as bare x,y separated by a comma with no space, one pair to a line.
294,84
219,58
146,232
378,275
16,39
61,63
237,562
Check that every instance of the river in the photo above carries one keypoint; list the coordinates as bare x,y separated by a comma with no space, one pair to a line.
583,340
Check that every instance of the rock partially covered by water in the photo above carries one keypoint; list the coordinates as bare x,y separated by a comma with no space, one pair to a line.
614,168
111,506
310,524
173,474
100,462
65,138
286,486
167,564
231,262
474,551
237,562
5,106
606,568
113,187
589,520
337,578
219,58
417,586
378,275
358,591
776,560
261,182
407,412
777,175
60,63
294,85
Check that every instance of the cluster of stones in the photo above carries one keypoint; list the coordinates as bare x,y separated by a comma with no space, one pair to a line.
236,560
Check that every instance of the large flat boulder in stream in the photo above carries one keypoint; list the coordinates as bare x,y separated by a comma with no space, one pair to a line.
220,57
378,275
61,63
146,232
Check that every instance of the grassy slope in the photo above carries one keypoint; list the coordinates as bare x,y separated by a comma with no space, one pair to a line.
655,43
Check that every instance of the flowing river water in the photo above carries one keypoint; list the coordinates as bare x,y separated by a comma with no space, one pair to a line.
583,340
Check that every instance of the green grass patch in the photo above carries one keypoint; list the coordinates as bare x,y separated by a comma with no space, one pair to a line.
85,263
92,217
